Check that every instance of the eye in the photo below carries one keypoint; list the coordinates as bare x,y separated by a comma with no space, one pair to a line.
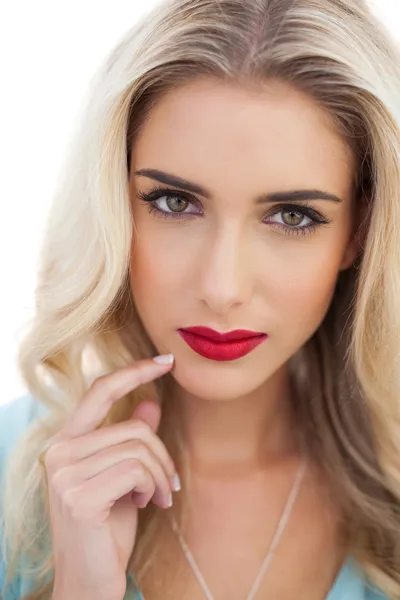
294,216
169,203
173,204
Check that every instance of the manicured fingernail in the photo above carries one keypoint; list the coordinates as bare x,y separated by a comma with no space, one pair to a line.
164,359
176,483
169,501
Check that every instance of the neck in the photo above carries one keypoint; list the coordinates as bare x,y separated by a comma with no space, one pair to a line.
239,435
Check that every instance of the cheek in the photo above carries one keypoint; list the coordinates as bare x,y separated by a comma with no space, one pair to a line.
304,291
156,273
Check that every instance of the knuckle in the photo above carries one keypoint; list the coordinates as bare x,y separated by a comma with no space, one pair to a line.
80,505
58,482
99,381
54,454
99,384
96,385
106,387
137,468
141,427
138,447
70,500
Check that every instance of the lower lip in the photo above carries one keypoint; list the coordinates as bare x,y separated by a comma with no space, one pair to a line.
221,351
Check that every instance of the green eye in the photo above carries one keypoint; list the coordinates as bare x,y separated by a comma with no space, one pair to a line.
176,203
173,204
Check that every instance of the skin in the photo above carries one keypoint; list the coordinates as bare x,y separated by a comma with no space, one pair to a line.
230,265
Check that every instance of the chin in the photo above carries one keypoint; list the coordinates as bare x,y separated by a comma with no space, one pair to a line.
217,381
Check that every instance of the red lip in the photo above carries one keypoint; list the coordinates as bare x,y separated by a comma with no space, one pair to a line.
221,347
211,334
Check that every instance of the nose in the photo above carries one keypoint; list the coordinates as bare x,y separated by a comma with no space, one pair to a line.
225,273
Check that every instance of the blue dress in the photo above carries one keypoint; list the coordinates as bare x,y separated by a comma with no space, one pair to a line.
350,583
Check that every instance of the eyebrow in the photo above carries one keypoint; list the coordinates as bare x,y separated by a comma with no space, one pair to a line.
290,196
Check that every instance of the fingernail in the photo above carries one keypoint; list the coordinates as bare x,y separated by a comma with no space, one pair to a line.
164,359
176,483
169,501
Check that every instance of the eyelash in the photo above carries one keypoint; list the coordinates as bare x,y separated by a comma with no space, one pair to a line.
317,219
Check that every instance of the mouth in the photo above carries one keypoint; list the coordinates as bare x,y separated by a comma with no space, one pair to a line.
221,346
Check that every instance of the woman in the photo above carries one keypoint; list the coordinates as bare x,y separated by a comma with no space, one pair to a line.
231,203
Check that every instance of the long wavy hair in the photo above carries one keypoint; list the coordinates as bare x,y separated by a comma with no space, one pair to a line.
85,324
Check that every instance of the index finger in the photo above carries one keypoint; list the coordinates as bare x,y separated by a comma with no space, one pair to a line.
105,390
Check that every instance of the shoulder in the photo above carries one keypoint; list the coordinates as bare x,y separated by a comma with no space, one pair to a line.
372,593
15,416
352,584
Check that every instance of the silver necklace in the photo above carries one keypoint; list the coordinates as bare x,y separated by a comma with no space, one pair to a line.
275,540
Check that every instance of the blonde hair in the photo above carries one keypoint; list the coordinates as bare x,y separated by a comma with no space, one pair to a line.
347,374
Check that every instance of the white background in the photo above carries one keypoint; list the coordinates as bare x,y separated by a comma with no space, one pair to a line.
48,52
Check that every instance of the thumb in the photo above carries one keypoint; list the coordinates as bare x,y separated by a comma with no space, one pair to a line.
148,411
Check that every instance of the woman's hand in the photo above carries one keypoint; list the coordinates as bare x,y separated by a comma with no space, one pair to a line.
97,481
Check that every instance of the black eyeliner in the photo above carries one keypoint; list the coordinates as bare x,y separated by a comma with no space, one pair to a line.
305,209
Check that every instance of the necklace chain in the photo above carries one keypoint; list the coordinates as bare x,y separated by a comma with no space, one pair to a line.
275,540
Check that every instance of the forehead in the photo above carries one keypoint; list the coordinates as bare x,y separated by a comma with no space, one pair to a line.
275,133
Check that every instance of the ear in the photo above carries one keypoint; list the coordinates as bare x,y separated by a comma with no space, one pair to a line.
357,239
350,255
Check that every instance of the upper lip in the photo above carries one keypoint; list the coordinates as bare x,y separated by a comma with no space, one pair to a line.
216,336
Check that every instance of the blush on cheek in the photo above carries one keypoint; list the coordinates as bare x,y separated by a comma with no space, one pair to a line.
154,281
308,291
163,259
312,299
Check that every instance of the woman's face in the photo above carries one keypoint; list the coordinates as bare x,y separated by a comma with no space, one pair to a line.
220,250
